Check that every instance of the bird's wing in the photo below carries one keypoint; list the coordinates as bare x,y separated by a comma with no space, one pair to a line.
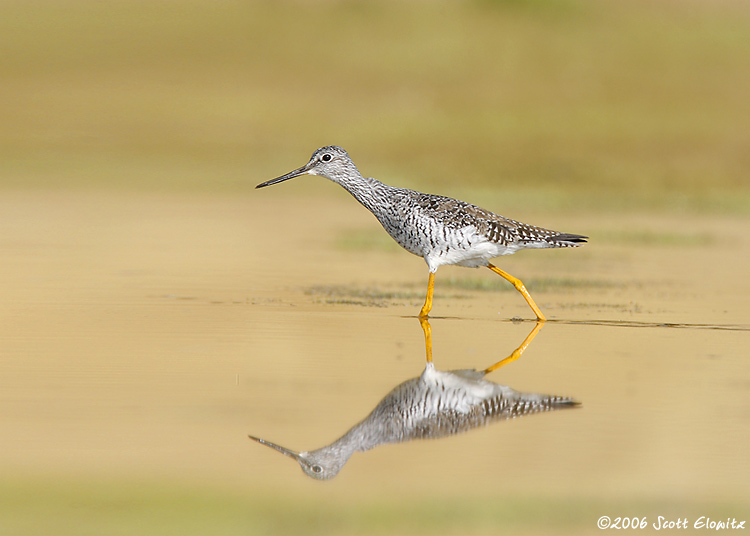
498,229
460,214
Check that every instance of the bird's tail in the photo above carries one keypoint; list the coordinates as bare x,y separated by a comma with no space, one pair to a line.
561,402
566,240
530,403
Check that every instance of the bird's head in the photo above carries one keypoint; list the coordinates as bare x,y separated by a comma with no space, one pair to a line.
321,464
331,162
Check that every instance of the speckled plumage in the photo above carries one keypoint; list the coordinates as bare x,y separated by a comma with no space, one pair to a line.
439,229
433,405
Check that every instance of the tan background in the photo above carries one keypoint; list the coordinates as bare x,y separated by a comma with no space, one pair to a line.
156,309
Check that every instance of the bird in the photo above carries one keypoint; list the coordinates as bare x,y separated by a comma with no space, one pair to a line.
433,405
439,229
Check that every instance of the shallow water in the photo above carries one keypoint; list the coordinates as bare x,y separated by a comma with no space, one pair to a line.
145,336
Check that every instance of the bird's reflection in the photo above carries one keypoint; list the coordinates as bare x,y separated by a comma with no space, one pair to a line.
433,405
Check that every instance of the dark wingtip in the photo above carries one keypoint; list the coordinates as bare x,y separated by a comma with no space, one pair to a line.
566,403
573,238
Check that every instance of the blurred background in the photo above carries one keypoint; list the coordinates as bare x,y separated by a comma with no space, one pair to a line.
157,309
642,104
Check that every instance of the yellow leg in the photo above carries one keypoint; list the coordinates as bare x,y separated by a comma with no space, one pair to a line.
518,351
427,336
520,288
427,307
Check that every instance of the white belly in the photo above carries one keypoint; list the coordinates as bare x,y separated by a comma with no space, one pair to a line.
465,248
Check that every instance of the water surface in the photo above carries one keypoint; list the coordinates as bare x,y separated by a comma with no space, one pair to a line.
144,337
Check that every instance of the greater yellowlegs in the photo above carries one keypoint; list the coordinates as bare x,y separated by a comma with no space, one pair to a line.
433,405
439,229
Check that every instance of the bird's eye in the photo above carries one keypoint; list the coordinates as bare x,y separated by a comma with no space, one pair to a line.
318,468
326,157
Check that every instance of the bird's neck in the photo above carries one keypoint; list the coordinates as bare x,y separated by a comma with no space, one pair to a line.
371,193
361,437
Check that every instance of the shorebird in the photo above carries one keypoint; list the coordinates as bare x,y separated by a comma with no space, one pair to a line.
439,229
434,405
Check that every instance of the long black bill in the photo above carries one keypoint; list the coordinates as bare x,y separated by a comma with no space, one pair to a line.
278,448
290,175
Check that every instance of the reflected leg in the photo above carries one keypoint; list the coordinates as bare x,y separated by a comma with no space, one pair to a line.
427,337
427,307
518,351
518,284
